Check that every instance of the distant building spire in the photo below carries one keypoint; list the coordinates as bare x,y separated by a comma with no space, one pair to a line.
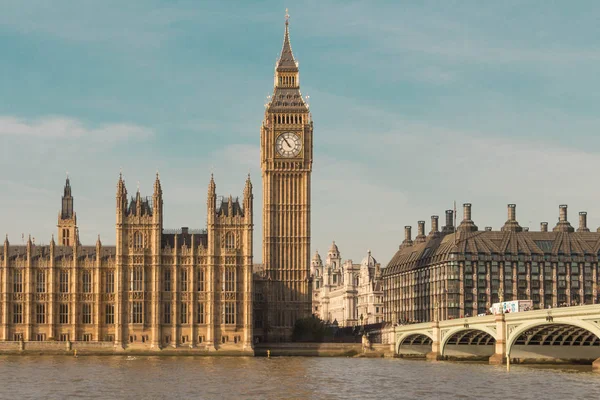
67,200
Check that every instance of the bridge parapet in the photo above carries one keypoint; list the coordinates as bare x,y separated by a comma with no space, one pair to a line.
578,325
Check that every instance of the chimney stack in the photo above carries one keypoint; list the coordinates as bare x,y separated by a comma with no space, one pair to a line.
511,224
562,213
449,227
421,232
467,224
467,212
407,237
488,228
512,212
525,229
544,227
563,224
434,226
583,222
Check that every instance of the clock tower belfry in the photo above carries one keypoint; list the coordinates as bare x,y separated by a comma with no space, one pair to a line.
286,139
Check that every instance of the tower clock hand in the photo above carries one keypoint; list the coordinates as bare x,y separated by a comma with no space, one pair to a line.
286,142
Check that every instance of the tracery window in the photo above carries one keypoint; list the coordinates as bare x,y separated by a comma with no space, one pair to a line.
167,280
87,282
229,313
137,279
167,313
40,313
230,240
110,282
86,313
64,282
184,313
229,279
18,281
200,313
201,279
63,314
17,313
184,280
138,240
137,311
40,286
110,314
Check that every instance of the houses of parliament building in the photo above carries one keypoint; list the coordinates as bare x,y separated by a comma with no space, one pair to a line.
161,289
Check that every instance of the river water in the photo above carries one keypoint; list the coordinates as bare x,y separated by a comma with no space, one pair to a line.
60,377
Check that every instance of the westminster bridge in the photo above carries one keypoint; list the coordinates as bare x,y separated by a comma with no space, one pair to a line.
568,334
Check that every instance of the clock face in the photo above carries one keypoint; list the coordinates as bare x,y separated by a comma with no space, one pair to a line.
288,144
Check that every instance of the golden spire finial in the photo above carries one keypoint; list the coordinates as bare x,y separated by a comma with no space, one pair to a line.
287,16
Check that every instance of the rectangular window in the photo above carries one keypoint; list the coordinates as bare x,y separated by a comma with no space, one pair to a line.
167,280
17,281
40,286
40,337
166,313
229,279
201,279
184,313
86,279
200,313
229,313
110,314
63,337
87,337
137,309
63,314
109,287
64,281
137,284
184,280
86,313
17,313
40,313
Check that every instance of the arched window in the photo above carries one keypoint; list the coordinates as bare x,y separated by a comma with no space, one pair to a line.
229,240
138,240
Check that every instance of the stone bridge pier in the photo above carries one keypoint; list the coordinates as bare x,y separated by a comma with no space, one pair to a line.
570,334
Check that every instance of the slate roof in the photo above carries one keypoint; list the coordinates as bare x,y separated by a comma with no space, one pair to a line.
15,251
525,243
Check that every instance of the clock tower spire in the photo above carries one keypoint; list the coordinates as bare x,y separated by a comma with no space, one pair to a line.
286,163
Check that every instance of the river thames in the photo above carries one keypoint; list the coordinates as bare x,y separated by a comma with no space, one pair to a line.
60,377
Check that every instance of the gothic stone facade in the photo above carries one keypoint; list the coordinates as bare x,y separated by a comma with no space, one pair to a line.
347,294
155,289
463,271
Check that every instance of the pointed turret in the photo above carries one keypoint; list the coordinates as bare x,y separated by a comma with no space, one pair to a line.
157,186
248,200
211,200
98,242
121,186
248,187
67,218
67,201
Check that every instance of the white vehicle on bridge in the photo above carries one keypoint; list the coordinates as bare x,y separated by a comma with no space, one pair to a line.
511,306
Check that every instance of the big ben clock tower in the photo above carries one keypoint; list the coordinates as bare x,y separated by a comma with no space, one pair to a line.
286,139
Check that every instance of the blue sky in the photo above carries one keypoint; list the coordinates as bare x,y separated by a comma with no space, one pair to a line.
415,105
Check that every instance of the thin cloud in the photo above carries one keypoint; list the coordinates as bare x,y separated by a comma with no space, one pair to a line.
69,128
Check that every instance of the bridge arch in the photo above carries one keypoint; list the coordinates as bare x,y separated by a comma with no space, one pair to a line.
569,331
474,335
414,339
